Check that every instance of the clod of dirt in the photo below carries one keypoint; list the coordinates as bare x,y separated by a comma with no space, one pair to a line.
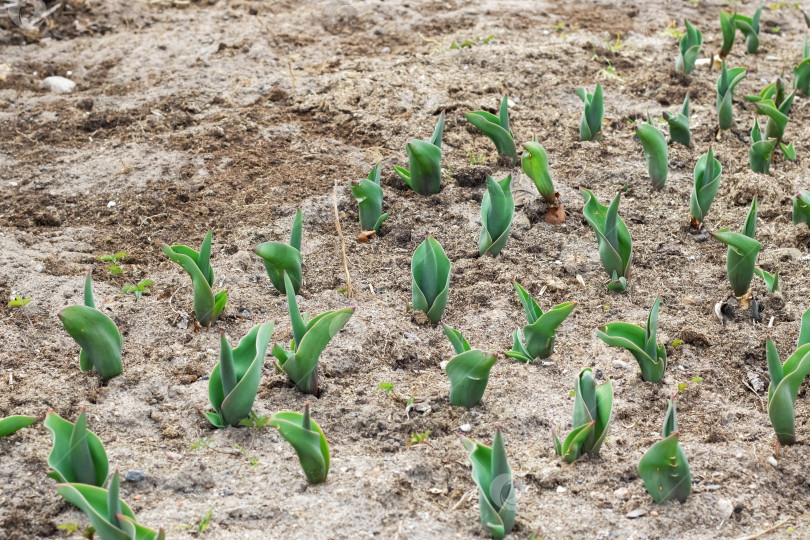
472,176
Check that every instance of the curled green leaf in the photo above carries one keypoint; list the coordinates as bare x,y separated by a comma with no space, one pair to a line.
468,371
590,125
679,130
640,342
729,31
14,423
771,280
497,209
497,499
801,208
655,153
496,128
430,279
664,467
761,151
749,26
280,258
424,160
786,379
689,49
535,164
615,244
77,455
708,172
308,441
801,73
369,197
536,339
728,80
592,409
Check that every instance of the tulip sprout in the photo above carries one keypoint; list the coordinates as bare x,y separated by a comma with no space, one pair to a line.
592,408
111,518
497,129
749,26
729,31
235,380
761,151
655,152
497,499
801,73
14,423
615,244
535,164
771,280
786,379
679,130
96,334
468,371
308,441
664,467
497,209
430,279
590,125
369,197
424,159
640,342
742,252
688,50
77,455
707,181
280,258
207,305
729,78
310,338
801,208
536,339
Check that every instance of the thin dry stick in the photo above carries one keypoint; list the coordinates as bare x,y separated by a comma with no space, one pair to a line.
766,531
292,76
349,291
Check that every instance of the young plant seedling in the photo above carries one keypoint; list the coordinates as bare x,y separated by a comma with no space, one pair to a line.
771,280
640,342
708,171
592,408
615,244
310,338
430,279
235,380
14,423
114,268
741,255
536,339
111,518
497,499
415,439
369,197
20,302
497,209
729,31
96,334
280,258
689,50
425,162
801,208
468,371
77,455
308,441
207,305
801,73
139,289
761,151
535,164
664,467
786,379
679,130
655,152
729,79
590,125
497,129
773,103
749,26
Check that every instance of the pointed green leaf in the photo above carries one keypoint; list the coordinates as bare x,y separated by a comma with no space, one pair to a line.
655,153
708,171
308,441
430,271
61,459
11,424
460,344
740,259
469,373
98,336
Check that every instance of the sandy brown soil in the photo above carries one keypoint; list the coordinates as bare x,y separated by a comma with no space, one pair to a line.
231,115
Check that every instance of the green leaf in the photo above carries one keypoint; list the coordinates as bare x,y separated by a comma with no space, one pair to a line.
786,379
679,130
689,49
655,153
664,468
801,208
535,164
640,342
590,126
98,336
497,209
460,344
279,258
205,304
536,340
729,78
369,196
235,379
740,259
771,280
789,151
469,373
592,411
11,424
496,128
77,454
729,31
615,244
424,160
804,332
88,290
430,279
308,441
708,171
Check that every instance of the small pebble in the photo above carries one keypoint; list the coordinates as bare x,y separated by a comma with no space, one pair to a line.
772,461
465,428
622,494
58,85
227,492
386,50
134,475
621,364
110,204
560,489
411,336
174,455
637,513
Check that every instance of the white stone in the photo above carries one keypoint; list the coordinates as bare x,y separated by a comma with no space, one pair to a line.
59,85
